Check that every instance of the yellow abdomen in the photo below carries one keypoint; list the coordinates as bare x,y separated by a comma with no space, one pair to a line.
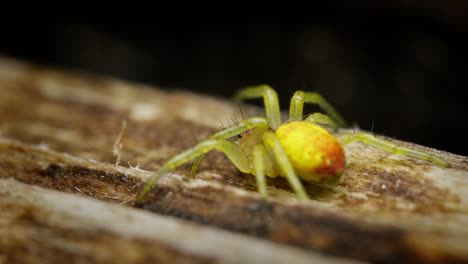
314,153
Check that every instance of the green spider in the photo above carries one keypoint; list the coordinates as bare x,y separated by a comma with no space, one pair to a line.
297,149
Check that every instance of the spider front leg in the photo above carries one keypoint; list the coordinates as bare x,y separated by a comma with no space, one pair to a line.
270,99
389,146
216,141
237,129
297,106
260,159
283,164
232,151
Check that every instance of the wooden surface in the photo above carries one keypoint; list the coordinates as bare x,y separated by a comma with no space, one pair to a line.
57,131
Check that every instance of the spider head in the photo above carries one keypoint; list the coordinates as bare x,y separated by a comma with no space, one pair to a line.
246,133
249,132
250,138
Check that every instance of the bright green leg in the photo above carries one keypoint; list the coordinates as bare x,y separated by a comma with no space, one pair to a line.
389,146
318,118
282,162
196,166
270,99
253,122
297,105
232,151
259,161
216,141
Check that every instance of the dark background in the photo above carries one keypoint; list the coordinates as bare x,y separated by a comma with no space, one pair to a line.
398,69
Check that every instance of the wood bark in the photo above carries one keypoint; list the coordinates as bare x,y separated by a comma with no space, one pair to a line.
62,197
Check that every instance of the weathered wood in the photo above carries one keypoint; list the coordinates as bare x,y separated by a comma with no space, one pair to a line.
45,226
58,131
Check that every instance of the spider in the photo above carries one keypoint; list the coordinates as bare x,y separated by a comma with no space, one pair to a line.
297,149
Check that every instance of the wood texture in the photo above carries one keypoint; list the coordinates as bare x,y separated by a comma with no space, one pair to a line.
57,131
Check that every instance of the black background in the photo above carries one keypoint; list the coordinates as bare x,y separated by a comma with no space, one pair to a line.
399,70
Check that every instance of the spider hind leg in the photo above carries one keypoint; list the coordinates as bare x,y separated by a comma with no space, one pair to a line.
390,147
297,106
318,118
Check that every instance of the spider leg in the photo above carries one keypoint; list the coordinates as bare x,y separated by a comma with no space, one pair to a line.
259,162
389,146
270,99
297,105
279,157
196,166
253,122
216,141
232,151
318,118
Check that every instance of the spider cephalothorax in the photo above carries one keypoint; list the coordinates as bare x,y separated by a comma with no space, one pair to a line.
297,149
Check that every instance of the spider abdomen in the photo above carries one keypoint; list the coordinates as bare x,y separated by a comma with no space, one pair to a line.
314,153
